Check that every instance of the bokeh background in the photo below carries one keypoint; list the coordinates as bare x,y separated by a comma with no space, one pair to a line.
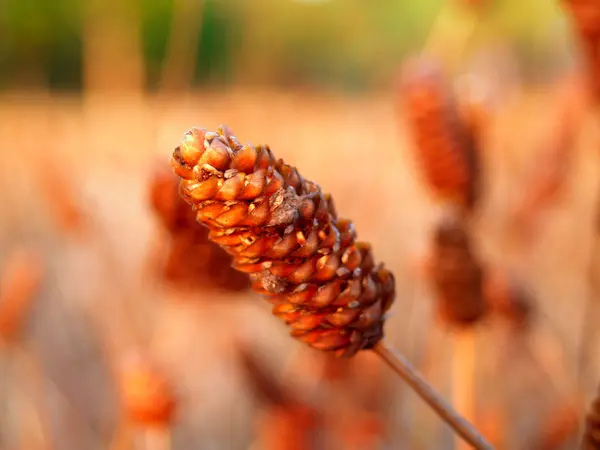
95,95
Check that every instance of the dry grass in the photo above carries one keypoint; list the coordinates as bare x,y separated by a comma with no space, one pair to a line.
99,302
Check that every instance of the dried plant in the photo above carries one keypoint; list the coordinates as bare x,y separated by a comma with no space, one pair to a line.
191,259
20,280
591,436
285,232
446,149
456,274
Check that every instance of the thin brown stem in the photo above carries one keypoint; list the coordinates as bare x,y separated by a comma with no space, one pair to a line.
423,389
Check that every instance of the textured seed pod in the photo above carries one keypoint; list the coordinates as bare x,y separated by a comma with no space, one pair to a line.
147,397
20,280
507,299
591,436
192,260
456,274
285,232
445,146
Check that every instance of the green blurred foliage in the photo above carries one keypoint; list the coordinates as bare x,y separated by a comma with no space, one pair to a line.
40,39
345,43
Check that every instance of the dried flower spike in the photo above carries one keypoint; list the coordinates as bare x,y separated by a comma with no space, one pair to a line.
591,436
445,146
148,399
192,260
284,231
456,274
20,280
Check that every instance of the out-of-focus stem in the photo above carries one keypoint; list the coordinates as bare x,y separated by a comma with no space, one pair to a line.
463,374
423,389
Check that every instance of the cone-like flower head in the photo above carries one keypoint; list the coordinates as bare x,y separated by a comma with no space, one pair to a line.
283,231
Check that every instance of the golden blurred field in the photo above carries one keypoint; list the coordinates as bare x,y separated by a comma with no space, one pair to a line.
99,302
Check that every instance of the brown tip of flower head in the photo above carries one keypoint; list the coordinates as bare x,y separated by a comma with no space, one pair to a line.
284,231
20,280
192,260
591,436
456,273
444,144
147,397
507,298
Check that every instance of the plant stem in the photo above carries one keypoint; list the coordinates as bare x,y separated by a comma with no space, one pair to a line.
421,387
463,372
